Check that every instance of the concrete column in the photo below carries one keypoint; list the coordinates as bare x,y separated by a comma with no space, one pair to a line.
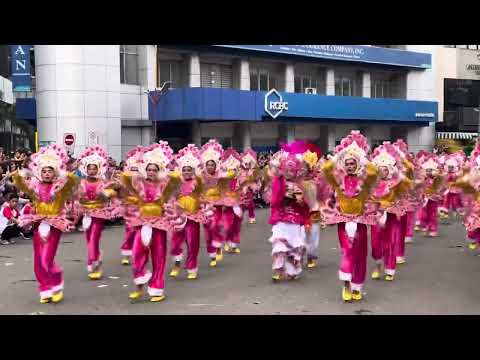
366,85
147,135
330,88
193,70
246,136
421,138
196,133
331,137
289,78
78,91
244,74
290,133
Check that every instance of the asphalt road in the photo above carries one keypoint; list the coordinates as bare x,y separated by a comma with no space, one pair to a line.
440,277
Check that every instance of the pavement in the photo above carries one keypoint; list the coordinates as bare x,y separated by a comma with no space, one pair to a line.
438,278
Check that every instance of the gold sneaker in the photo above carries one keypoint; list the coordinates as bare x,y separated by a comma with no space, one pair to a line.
213,262
96,275
125,261
375,275
346,294
56,298
227,248
357,295
388,278
252,221
157,298
312,264
236,251
219,255
45,300
175,272
472,246
192,276
135,295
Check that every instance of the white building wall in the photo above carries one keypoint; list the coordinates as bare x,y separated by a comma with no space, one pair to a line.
421,85
134,101
78,92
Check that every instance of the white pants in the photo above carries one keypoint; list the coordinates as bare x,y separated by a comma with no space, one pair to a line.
312,240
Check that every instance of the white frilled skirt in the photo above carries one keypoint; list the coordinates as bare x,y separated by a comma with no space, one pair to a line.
288,247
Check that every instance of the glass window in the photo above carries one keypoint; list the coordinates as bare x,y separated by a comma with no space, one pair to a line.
343,86
171,70
129,64
262,79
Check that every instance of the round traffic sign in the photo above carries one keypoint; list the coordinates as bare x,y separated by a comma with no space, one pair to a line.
69,139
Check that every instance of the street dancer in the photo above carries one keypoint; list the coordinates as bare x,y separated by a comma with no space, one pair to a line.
188,212
153,187
352,176
432,181
470,185
128,204
453,167
232,210
289,216
388,194
210,157
49,189
249,181
93,203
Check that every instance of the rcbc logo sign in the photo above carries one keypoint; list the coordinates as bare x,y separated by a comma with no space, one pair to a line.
274,104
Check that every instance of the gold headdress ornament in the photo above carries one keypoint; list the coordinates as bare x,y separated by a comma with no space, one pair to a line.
310,158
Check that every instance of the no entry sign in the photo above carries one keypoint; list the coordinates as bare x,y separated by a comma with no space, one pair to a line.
69,139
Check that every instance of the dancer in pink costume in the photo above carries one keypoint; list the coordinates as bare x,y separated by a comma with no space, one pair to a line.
410,202
289,216
388,194
418,160
213,185
153,187
93,203
470,185
128,202
187,212
249,181
49,189
453,168
231,199
352,176
316,194
432,181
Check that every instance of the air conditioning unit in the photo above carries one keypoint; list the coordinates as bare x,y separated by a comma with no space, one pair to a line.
312,91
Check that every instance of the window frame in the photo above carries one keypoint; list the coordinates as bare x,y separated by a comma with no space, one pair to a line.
124,54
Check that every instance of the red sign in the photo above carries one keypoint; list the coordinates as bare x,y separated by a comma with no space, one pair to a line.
69,139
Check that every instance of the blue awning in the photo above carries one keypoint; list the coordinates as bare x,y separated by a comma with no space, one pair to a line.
210,104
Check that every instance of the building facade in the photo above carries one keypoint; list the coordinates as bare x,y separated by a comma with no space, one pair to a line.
243,95
458,91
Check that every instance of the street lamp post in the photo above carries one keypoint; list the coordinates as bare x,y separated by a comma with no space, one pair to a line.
154,96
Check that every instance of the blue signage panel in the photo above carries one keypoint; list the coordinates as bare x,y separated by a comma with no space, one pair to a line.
207,104
20,65
356,53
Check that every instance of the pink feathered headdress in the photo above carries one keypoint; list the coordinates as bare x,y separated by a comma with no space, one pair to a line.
53,156
388,155
456,159
95,155
188,156
160,154
354,146
231,160
134,157
249,157
211,151
474,159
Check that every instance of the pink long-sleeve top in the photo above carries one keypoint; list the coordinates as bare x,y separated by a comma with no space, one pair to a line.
284,209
